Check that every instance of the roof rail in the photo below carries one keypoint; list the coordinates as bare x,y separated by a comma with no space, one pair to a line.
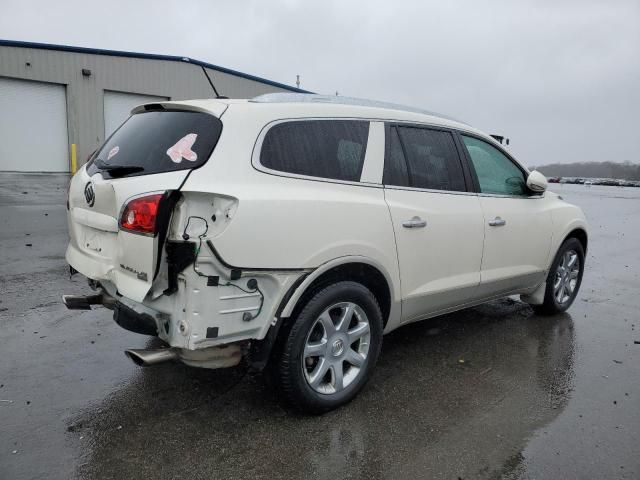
337,100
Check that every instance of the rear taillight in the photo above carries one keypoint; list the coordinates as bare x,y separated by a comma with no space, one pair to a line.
140,214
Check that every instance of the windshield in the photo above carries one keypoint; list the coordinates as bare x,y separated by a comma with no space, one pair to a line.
156,142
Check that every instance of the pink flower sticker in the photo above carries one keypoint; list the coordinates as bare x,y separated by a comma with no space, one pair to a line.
182,149
113,152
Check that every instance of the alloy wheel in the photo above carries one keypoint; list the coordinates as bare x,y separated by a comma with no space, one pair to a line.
336,348
566,277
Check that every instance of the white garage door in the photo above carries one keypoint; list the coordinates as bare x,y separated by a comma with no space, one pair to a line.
118,106
33,126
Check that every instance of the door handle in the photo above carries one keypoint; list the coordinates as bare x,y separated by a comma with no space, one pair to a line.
497,222
415,222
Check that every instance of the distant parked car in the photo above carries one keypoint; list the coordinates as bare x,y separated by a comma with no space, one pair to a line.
553,179
608,182
295,230
573,180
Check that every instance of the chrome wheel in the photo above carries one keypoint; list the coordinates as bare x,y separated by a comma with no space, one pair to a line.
566,277
336,348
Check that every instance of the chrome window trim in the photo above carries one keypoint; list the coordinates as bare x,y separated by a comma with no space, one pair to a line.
257,149
509,157
524,197
455,192
429,190
418,189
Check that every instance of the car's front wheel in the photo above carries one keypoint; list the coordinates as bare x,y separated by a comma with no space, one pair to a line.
564,278
331,348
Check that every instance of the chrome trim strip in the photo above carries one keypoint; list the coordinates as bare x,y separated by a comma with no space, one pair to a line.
240,295
522,197
428,190
236,310
255,156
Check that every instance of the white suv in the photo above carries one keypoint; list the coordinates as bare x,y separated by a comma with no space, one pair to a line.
296,229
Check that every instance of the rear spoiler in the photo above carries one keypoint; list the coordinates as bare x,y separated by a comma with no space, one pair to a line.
215,108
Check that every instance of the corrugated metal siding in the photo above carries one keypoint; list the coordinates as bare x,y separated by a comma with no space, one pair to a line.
164,78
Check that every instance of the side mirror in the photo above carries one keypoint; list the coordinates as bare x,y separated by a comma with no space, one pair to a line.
536,182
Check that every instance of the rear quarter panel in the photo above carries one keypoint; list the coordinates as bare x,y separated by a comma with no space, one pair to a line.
283,222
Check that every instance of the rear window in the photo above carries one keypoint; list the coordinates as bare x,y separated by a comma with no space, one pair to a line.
156,142
333,149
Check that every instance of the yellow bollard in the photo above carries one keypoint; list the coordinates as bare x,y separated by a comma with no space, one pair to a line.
74,159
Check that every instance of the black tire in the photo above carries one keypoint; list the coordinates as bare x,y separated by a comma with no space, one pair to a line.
552,305
291,370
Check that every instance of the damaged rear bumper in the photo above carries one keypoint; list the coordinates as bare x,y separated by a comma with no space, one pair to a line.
133,321
126,317
147,323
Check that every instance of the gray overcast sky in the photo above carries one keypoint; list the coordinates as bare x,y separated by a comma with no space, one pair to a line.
560,78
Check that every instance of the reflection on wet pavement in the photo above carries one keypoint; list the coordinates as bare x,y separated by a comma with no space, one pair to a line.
458,387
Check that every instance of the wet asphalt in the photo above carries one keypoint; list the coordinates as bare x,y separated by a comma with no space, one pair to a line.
490,392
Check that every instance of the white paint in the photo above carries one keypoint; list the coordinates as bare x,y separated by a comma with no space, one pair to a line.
440,263
516,254
33,127
374,157
301,225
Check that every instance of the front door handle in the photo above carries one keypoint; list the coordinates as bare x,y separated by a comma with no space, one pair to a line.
497,222
415,222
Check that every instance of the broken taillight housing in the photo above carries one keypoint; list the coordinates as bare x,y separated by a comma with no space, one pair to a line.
140,214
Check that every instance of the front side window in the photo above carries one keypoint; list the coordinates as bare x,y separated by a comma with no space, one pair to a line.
497,174
423,158
333,149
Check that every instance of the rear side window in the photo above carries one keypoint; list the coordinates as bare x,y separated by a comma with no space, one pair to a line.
423,158
332,149
158,141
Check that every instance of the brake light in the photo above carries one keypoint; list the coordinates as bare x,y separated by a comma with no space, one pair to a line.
140,214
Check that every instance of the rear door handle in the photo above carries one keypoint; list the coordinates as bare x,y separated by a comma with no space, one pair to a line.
497,222
415,222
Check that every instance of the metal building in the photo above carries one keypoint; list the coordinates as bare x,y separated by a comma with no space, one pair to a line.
58,103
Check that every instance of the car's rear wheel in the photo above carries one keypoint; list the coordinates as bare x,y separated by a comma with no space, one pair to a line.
331,348
564,279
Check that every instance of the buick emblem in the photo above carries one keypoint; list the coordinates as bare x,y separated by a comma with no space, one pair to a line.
337,348
89,194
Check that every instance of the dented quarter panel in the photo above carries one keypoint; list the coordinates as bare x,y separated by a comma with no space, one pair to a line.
196,306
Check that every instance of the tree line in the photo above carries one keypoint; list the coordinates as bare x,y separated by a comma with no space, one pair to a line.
624,171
